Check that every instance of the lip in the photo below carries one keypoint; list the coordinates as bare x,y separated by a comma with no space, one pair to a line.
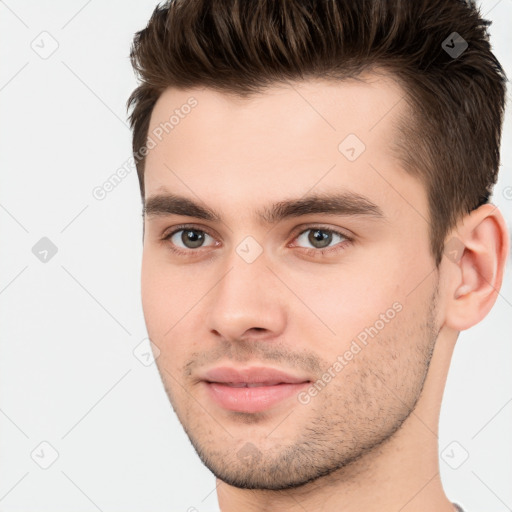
252,389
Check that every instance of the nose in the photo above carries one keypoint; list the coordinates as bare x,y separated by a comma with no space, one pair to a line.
248,301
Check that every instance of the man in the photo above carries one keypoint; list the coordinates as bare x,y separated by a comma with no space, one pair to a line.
317,232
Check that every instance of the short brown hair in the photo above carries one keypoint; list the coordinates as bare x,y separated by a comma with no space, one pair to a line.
451,139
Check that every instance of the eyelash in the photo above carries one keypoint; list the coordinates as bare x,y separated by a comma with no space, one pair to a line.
341,246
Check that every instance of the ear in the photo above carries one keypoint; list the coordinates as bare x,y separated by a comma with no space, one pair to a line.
476,254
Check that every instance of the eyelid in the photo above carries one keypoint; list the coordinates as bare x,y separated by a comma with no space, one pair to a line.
325,252
183,227
299,230
168,234
336,230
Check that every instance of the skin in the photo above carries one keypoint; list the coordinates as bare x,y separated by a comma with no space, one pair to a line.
368,439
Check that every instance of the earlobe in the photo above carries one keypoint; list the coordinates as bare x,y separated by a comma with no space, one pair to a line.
476,277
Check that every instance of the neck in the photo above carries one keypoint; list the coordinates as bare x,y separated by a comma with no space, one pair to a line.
401,474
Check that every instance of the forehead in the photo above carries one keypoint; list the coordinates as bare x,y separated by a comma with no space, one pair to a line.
296,137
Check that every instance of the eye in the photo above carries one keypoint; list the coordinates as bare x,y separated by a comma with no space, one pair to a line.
186,238
320,240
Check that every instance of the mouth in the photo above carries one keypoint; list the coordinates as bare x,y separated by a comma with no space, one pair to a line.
253,389
249,384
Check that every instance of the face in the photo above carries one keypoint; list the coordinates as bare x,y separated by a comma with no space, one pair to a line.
294,311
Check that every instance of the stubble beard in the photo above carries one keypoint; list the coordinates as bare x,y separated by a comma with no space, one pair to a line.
341,430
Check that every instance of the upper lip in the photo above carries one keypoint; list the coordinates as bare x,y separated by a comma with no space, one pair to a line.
251,375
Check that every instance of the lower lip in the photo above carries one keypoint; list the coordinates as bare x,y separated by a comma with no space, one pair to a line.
251,399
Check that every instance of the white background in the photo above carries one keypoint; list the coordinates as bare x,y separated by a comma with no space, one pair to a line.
68,374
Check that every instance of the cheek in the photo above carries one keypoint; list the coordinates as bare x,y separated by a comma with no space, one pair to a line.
152,294
347,297
158,292
361,298
168,296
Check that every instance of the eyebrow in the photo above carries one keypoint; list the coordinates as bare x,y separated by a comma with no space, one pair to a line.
344,203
